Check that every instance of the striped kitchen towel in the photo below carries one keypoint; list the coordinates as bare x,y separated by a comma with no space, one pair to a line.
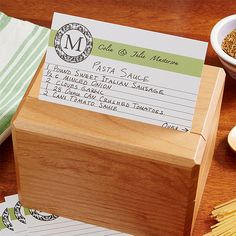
22,46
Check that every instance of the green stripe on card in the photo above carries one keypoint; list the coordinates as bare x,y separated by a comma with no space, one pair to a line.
4,21
143,56
2,226
26,211
12,214
51,38
147,57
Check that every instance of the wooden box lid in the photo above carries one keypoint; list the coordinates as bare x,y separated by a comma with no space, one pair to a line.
123,135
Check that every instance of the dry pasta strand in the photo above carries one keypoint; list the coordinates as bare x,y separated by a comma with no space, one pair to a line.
224,214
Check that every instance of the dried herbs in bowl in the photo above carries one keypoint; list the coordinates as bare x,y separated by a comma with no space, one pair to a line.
229,44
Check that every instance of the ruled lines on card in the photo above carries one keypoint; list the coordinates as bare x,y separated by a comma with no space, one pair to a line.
125,96
15,220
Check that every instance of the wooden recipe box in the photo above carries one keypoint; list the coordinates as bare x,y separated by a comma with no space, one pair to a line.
117,173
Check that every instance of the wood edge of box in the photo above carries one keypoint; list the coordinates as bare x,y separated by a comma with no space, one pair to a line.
202,130
189,207
214,102
206,161
209,82
176,160
195,160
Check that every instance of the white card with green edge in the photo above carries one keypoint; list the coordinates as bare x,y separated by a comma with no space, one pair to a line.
121,71
6,226
17,215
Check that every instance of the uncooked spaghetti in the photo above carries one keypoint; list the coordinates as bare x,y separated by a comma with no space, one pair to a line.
225,214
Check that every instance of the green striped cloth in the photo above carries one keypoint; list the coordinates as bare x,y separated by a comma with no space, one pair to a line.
22,46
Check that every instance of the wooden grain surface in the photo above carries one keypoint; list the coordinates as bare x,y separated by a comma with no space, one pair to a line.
193,19
51,150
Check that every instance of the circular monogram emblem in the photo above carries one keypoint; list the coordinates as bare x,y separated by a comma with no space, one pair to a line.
42,216
73,42
18,209
6,220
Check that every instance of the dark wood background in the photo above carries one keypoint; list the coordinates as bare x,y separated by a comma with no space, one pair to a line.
188,18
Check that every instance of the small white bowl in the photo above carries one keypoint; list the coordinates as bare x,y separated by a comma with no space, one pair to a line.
218,33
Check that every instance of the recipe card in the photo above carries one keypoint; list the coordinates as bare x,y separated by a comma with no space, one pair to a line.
122,71
16,220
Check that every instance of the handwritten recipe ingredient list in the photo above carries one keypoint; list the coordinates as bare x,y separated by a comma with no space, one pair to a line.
121,71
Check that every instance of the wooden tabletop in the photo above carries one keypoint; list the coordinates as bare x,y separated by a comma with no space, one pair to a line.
193,19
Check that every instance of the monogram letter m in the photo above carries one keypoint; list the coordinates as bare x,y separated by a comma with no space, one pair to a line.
69,41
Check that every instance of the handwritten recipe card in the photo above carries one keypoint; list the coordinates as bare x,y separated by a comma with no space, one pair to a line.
121,71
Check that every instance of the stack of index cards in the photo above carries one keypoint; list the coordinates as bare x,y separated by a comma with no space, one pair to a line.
16,220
